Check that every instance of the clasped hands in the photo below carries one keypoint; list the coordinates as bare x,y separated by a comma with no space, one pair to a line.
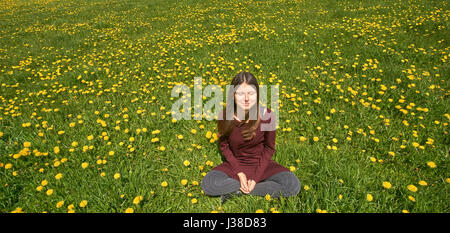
246,185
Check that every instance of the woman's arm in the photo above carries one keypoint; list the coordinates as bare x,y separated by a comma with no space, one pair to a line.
229,156
269,150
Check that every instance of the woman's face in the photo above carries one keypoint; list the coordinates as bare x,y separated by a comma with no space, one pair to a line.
245,96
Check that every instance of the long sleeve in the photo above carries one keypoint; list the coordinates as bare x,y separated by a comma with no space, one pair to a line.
269,150
229,156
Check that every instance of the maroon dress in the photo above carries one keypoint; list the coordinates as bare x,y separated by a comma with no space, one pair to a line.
253,157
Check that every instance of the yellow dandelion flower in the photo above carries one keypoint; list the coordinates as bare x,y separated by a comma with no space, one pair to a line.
116,176
412,188
259,211
387,185
164,184
137,199
58,176
129,210
411,198
194,200
423,183
184,182
302,139
83,203
431,164
316,139
49,192
27,144
59,204
56,149
84,165
186,163
292,168
268,197
44,182
369,197
306,187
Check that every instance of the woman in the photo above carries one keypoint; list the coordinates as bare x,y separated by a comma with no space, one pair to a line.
248,167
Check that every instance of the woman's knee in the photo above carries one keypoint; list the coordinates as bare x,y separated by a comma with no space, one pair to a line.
291,185
211,182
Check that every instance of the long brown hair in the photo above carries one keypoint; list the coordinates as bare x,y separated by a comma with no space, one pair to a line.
225,126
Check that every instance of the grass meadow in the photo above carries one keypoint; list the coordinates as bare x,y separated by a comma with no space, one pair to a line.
85,102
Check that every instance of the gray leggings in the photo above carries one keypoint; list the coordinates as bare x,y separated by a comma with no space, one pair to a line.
217,183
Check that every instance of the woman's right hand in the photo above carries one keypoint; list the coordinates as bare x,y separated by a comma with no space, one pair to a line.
244,182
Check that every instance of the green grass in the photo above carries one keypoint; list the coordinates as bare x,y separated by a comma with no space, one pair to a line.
66,61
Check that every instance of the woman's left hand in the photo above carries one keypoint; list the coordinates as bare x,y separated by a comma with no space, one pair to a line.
251,185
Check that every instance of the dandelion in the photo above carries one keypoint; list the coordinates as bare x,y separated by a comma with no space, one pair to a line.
49,192
137,199
292,168
116,176
316,139
8,166
259,211
26,144
44,182
56,149
423,183
90,137
129,210
412,188
431,164
186,163
164,184
387,185
369,197
194,200
268,197
184,182
411,198
302,139
59,204
58,176
306,187
83,203
84,165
